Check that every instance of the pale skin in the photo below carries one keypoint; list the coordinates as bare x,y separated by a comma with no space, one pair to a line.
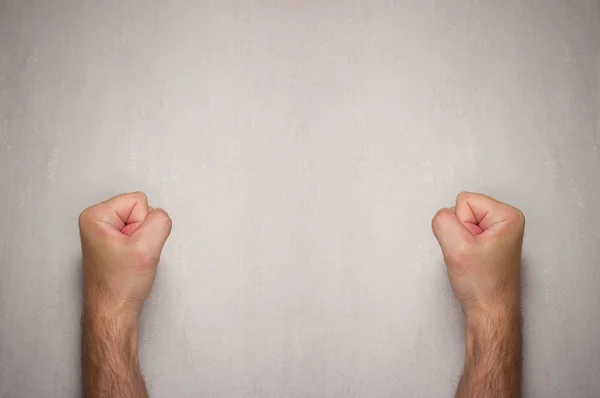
481,240
122,239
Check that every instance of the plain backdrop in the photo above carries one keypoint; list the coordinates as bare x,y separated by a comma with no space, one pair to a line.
301,148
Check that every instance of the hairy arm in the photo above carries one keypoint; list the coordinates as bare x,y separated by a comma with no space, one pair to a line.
121,242
493,357
110,357
481,240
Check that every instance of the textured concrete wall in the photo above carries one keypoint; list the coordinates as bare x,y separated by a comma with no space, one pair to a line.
302,148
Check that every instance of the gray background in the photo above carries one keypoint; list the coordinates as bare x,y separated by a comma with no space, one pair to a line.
302,148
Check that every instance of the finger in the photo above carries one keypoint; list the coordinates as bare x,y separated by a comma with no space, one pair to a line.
123,210
116,213
450,231
131,227
154,230
480,212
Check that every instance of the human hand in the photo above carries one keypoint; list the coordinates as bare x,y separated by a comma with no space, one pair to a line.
481,240
121,239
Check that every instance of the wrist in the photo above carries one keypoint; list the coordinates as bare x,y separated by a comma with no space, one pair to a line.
113,327
499,306
98,302
104,315
503,312
120,320
496,325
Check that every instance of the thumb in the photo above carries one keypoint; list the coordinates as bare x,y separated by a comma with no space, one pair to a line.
154,230
450,231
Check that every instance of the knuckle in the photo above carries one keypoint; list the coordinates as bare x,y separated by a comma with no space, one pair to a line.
85,216
140,194
164,217
462,196
521,216
518,216
82,216
438,219
169,222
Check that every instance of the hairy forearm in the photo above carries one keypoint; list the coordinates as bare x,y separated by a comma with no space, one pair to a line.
110,356
493,358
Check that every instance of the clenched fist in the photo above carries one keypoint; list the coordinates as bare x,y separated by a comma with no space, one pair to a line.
481,241
122,239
